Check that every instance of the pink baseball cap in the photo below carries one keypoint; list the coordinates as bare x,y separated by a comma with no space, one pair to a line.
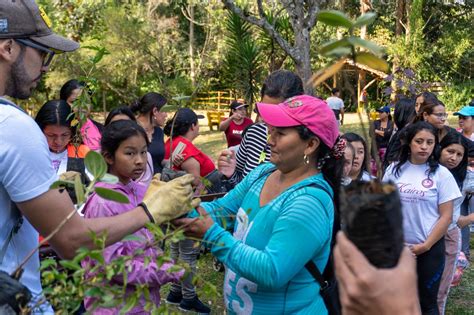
309,111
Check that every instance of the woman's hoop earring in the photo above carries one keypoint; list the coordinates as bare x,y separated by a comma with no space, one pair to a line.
306,159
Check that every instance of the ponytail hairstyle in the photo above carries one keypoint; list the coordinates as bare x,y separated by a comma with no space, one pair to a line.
55,112
122,110
331,167
282,84
146,104
454,137
405,152
68,87
117,132
353,137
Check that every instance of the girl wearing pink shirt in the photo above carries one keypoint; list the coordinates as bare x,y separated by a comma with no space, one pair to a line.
124,147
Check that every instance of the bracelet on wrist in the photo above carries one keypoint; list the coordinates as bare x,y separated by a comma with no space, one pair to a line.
147,212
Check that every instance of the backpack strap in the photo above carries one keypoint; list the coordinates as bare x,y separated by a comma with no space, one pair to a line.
310,265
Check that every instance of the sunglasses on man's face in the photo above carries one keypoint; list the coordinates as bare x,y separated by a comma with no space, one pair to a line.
46,53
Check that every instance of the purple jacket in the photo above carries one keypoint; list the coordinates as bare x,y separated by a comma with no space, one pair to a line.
152,275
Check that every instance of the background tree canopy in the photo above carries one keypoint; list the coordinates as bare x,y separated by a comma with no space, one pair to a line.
184,47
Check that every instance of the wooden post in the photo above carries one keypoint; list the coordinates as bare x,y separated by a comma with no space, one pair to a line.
358,92
218,100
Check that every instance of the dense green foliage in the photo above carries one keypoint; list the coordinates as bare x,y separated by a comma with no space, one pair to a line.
152,47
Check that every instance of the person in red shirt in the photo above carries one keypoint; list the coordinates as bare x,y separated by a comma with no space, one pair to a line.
197,163
236,123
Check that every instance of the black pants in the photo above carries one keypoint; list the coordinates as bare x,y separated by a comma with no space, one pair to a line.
429,267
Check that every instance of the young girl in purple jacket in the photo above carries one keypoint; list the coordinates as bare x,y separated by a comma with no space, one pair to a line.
124,148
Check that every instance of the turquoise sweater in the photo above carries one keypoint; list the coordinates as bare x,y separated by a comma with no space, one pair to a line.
269,245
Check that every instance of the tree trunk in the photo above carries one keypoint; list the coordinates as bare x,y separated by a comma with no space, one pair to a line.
192,71
303,63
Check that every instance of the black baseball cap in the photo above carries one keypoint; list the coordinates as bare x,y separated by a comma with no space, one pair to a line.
237,104
187,116
23,19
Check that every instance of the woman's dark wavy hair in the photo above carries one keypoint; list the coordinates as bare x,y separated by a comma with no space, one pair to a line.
454,137
68,87
282,84
410,132
404,112
147,103
428,98
122,110
353,137
180,128
427,107
55,112
117,132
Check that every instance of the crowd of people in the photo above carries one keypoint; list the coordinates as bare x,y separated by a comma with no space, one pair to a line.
281,176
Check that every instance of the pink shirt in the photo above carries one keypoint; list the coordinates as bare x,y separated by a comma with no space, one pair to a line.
139,272
91,135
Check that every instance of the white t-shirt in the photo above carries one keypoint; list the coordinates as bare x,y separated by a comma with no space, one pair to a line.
25,173
335,102
420,197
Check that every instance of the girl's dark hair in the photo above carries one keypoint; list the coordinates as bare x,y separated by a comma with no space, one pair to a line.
405,152
428,98
55,112
282,84
117,132
427,107
353,137
68,87
147,103
122,110
180,128
404,112
454,137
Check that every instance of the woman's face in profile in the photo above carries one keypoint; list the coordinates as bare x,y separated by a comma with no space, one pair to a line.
287,147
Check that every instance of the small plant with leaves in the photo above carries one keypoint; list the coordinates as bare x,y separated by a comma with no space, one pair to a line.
350,46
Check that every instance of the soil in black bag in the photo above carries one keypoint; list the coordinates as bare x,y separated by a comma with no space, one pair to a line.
14,296
371,217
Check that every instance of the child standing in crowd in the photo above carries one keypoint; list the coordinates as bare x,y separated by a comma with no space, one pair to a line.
453,156
91,130
427,191
359,165
124,147
466,123
236,123
54,119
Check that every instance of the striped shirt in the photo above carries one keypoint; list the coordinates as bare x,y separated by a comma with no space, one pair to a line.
253,150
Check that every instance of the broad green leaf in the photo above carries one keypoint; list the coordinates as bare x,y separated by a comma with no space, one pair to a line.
365,19
79,189
61,183
169,108
326,73
330,46
94,291
372,61
131,237
109,178
70,265
339,52
371,46
334,18
182,98
110,194
48,263
95,164
131,303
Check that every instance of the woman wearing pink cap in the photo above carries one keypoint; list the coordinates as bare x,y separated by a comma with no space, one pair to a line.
280,217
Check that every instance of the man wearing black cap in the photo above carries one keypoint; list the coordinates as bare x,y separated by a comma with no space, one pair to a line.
27,46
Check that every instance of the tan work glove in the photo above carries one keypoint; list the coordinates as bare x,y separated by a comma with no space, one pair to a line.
69,175
167,201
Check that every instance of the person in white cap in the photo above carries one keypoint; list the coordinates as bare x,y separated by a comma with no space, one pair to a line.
27,205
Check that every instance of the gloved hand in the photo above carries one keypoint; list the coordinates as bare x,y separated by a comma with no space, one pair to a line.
168,201
69,175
